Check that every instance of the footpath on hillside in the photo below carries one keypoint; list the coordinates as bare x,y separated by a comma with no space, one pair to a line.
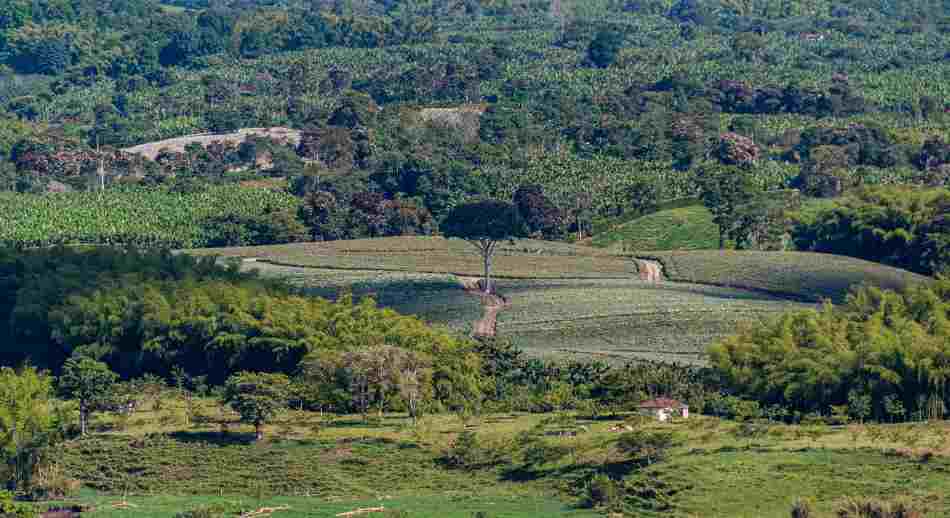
493,303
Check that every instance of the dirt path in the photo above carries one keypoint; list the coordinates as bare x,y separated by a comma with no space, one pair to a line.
492,304
151,149
650,271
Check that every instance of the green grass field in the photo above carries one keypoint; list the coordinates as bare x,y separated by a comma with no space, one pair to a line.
321,465
686,228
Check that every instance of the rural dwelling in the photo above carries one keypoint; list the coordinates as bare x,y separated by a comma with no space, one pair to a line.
663,409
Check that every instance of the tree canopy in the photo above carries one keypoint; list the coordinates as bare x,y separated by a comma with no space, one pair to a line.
883,345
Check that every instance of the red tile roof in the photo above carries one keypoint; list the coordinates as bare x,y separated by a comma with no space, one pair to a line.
662,403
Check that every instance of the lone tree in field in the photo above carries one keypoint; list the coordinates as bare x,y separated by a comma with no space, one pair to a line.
484,224
257,397
89,382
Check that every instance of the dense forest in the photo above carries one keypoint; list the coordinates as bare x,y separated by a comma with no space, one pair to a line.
586,112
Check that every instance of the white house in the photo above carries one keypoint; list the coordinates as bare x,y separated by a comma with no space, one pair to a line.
663,409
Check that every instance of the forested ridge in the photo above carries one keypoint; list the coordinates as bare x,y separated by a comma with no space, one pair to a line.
603,109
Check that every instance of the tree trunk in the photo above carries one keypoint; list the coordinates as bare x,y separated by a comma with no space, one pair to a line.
722,239
487,257
83,418
259,430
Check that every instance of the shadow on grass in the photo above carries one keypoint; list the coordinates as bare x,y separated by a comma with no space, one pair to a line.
371,423
216,438
615,470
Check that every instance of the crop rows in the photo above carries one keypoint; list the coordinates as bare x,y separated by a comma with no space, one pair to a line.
133,217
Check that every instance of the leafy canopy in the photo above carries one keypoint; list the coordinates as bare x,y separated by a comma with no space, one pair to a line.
484,220
257,396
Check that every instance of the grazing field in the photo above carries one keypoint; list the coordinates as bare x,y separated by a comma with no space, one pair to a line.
683,228
802,275
686,228
160,463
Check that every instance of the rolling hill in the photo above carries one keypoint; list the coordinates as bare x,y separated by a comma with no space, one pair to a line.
567,300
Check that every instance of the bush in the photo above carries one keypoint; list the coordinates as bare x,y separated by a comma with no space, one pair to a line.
11,509
465,453
644,445
802,509
870,508
602,491
49,481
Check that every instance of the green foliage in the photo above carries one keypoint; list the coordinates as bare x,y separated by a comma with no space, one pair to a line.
904,227
11,509
26,412
89,382
146,218
645,446
724,191
257,397
603,50
883,344
484,221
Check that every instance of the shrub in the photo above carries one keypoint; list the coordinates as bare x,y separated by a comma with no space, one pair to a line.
11,509
49,481
602,491
871,508
465,453
802,509
209,511
644,445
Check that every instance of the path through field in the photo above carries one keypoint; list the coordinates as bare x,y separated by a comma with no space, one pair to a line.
492,304
613,319
650,271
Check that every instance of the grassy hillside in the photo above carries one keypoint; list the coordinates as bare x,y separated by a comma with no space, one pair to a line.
321,465
568,299
683,228
686,228
613,318
803,275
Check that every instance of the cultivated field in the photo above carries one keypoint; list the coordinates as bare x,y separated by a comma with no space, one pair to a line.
574,300
607,318
686,228
802,275
525,259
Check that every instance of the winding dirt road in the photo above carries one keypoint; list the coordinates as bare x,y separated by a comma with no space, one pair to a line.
492,304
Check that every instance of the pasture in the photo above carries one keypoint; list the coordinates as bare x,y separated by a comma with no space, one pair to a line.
195,455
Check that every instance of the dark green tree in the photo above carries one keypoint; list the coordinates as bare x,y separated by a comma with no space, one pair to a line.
603,50
257,397
484,224
724,191
90,383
